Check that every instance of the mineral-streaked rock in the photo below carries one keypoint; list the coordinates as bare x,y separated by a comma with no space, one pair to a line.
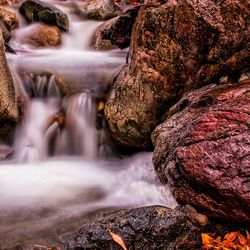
202,151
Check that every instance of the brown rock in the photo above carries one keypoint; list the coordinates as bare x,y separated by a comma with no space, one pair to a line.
176,46
202,151
97,9
9,18
9,2
116,32
8,105
42,35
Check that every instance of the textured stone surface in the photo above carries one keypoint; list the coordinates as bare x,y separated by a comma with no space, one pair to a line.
9,18
176,46
38,11
116,31
96,9
42,35
203,151
153,227
9,2
8,106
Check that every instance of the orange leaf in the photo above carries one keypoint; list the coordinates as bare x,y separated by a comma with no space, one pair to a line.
242,239
248,235
207,241
118,239
230,237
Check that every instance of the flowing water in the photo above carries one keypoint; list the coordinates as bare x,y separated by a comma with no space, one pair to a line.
64,168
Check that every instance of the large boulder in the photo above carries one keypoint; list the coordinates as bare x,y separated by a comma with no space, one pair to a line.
97,9
8,105
176,46
116,31
152,228
202,151
38,11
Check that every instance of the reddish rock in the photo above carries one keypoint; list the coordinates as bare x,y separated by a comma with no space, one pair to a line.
202,151
176,46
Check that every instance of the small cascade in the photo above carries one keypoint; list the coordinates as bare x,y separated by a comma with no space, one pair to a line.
79,136
30,141
63,165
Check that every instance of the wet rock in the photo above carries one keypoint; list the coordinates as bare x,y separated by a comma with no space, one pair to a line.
202,151
38,11
153,227
8,105
116,32
96,9
42,35
176,46
9,18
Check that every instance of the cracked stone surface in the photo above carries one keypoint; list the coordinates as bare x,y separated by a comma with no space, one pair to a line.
202,150
176,46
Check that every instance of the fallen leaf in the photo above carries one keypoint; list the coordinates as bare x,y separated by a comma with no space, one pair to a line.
242,239
207,240
118,239
230,237
101,106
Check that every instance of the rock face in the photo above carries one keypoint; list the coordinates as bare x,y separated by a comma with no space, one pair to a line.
38,11
8,106
141,228
4,32
42,35
96,9
176,46
9,2
202,151
9,18
116,31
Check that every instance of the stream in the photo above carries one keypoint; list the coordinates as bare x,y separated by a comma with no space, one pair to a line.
61,175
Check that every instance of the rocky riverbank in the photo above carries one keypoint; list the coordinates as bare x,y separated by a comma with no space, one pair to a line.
184,93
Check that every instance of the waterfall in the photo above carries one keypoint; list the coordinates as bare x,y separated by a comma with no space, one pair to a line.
64,166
